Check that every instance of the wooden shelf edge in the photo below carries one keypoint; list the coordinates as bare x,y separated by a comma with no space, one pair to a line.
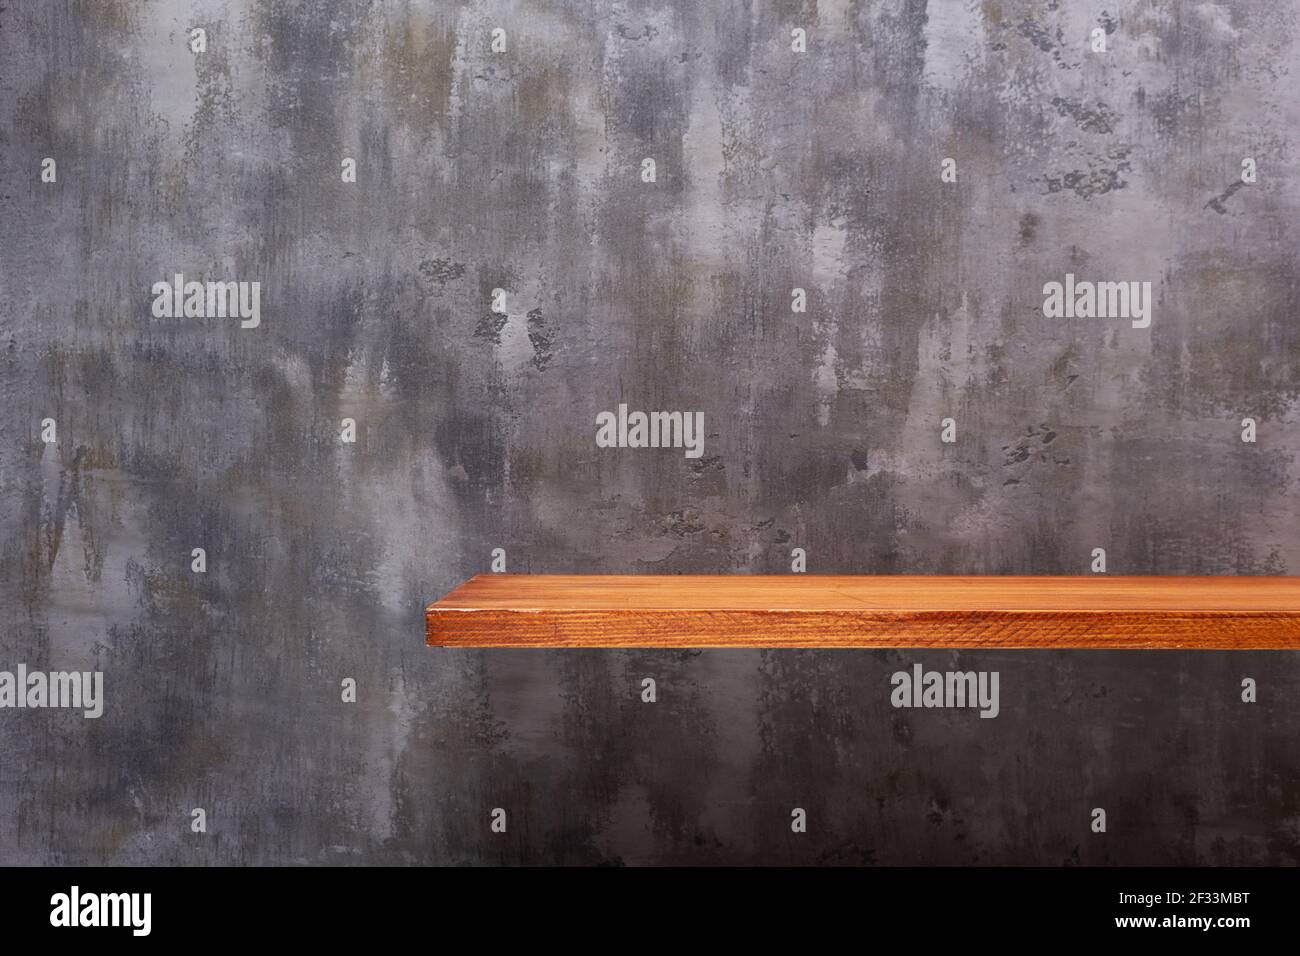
1111,613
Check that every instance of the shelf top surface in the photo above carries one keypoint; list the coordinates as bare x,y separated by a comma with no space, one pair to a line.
867,593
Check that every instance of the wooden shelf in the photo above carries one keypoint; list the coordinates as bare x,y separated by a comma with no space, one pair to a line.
527,610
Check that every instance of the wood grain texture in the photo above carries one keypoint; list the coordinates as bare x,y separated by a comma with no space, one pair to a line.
519,610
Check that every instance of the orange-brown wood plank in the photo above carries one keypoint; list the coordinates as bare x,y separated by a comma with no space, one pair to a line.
544,610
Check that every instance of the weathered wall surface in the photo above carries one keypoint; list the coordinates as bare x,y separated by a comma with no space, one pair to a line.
521,170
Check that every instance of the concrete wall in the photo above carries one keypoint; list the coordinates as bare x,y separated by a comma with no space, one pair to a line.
475,430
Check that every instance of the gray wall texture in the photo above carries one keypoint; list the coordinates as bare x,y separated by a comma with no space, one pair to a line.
521,170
